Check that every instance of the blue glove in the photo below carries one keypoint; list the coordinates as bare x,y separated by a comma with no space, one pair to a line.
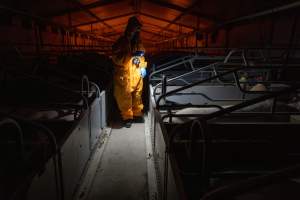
143,72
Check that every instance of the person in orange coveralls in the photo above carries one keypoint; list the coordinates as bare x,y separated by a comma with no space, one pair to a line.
130,69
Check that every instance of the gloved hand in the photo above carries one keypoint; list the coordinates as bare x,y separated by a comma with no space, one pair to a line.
143,72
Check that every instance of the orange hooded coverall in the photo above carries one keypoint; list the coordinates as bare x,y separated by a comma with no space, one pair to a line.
128,83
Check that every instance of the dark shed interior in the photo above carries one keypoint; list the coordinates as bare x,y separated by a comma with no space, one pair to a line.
221,100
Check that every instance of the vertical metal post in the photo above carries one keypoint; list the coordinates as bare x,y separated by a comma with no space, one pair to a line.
164,87
75,40
62,39
273,109
83,42
196,43
186,42
69,19
206,40
292,38
153,67
196,35
227,37
173,44
37,39
271,36
41,38
69,42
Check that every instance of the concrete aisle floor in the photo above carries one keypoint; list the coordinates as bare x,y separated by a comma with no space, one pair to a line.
122,172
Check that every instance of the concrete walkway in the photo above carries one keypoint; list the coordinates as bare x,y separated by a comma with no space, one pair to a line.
122,172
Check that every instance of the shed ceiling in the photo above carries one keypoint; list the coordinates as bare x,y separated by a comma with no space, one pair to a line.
161,18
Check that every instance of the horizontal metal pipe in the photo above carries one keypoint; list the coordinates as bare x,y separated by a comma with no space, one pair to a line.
228,191
263,13
38,18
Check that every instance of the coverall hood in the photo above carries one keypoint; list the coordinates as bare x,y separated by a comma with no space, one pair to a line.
133,26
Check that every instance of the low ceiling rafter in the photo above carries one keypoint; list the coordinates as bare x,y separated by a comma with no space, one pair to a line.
137,6
163,26
165,20
183,13
153,33
81,6
96,4
141,14
104,19
165,4
157,26
113,34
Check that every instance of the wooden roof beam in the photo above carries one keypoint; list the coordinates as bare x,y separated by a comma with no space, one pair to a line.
272,11
133,13
157,26
184,35
165,20
81,6
178,17
153,33
182,9
142,30
104,19
84,7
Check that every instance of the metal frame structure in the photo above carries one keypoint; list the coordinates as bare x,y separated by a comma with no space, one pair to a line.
216,74
241,187
82,134
165,137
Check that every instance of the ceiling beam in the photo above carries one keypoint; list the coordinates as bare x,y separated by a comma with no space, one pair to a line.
47,21
159,27
132,13
165,20
104,19
184,35
85,7
153,33
81,6
121,32
182,9
178,17
148,41
124,24
112,34
272,11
